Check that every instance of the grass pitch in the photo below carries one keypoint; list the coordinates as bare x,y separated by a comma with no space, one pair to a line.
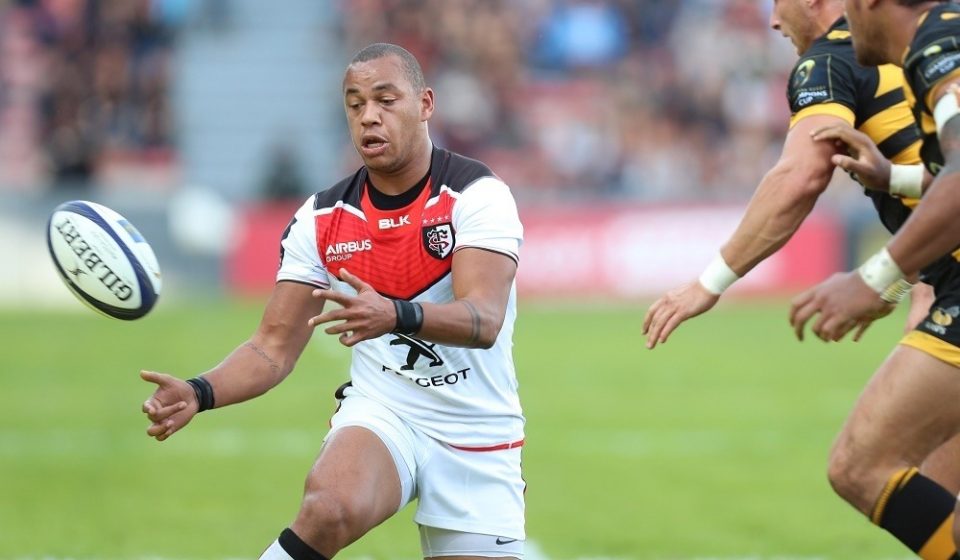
712,446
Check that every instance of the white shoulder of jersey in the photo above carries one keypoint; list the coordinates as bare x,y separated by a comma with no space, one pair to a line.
485,216
299,259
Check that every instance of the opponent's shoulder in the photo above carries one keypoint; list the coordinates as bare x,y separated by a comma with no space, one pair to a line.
940,24
827,72
347,190
458,172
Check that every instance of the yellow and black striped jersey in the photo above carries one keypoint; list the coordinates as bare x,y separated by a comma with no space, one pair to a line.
827,80
932,57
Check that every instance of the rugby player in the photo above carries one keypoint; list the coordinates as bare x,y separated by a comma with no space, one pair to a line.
419,250
910,405
828,89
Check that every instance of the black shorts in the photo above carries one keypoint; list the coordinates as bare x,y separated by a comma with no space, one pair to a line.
938,334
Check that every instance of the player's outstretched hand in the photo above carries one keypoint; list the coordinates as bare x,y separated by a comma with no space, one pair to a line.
673,308
864,158
366,315
843,301
171,407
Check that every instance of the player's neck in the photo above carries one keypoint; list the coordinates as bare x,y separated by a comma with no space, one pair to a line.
902,28
404,179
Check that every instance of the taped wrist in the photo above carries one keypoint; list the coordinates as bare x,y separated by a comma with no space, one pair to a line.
204,392
897,291
880,272
906,181
946,109
718,276
409,317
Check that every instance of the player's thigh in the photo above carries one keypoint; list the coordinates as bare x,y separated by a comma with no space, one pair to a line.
356,473
908,409
943,465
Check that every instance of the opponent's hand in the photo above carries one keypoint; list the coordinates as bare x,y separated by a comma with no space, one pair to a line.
844,302
673,308
171,407
366,315
864,159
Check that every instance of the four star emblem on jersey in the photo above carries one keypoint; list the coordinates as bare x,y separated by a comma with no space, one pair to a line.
438,240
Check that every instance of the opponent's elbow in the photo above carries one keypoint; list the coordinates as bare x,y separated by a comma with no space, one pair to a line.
803,182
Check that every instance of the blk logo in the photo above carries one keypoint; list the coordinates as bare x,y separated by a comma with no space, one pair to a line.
390,223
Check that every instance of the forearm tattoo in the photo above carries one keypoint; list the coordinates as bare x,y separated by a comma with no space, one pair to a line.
274,366
475,321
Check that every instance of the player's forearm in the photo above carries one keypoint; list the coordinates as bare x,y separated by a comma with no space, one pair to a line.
255,367
782,201
469,323
932,229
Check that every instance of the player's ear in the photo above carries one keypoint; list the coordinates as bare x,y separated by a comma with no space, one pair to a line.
426,104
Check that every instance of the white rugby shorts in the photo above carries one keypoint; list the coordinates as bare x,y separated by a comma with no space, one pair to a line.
478,491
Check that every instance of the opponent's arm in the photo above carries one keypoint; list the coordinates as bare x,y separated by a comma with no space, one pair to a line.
250,370
932,230
874,171
784,198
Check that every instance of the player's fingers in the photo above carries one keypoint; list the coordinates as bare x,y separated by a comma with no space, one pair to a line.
154,377
861,328
341,328
356,283
348,339
845,133
333,295
648,317
799,312
829,326
159,414
327,316
840,329
672,323
156,429
848,164
653,335
800,315
828,132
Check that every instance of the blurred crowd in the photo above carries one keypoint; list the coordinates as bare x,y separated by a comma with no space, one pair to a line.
82,83
638,99
646,100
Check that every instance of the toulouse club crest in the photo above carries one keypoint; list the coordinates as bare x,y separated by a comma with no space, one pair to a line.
438,240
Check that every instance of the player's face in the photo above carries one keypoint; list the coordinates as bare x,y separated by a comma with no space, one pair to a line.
386,116
792,18
868,39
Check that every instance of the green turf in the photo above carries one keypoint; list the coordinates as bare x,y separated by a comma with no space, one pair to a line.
713,445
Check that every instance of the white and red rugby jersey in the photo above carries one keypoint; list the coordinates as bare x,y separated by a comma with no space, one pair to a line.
461,396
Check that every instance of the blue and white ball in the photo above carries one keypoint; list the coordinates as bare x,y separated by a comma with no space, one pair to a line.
103,259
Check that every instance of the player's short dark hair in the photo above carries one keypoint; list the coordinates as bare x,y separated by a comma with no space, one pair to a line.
411,67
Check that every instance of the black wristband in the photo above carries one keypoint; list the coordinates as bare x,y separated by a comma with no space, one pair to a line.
204,392
409,317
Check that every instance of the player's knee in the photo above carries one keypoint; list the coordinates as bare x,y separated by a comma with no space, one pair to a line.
847,476
329,518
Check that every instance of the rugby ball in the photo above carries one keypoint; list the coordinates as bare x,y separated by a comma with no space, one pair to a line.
103,259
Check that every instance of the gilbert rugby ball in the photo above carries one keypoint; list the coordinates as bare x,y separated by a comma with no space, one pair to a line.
103,259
